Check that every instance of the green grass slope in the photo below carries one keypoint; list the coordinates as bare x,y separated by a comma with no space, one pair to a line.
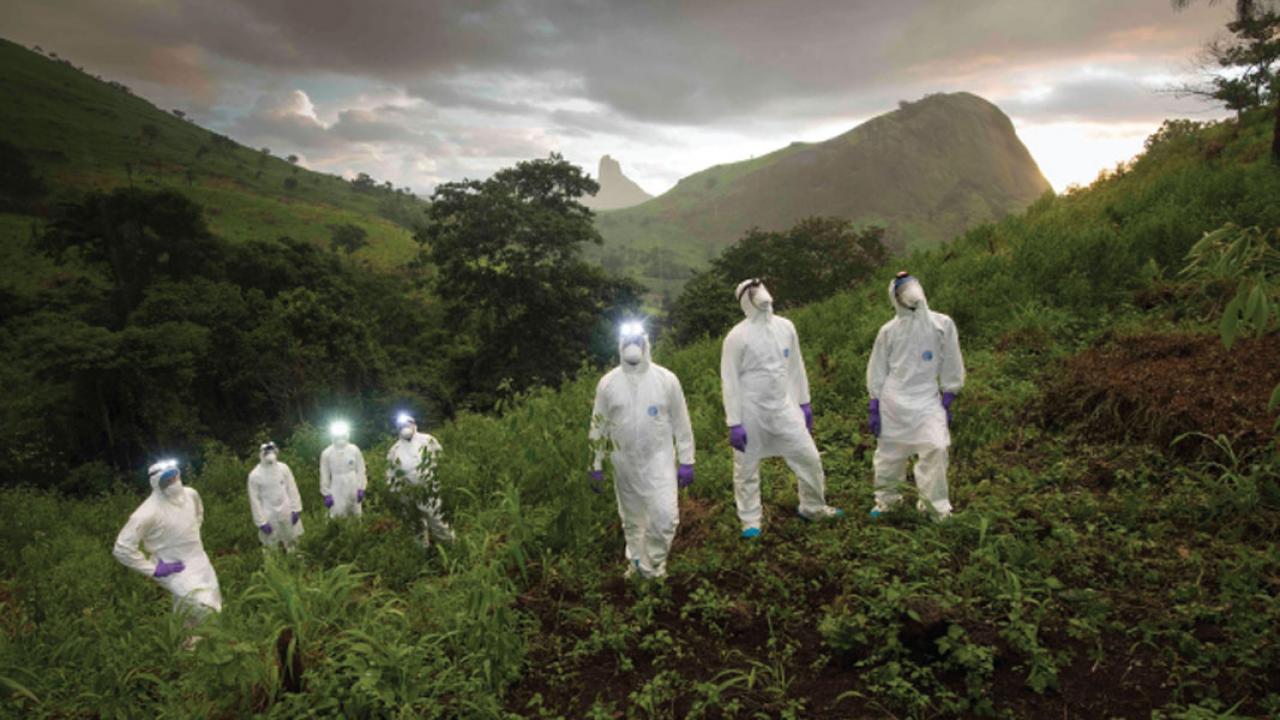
927,172
82,134
1084,575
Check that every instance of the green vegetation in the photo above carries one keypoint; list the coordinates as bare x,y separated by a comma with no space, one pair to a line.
814,260
81,134
1085,574
925,173
508,256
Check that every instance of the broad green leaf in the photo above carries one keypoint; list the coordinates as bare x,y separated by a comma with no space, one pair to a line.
1230,320
1251,307
1275,400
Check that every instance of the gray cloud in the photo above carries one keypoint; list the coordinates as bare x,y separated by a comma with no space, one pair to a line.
1102,98
662,62
509,79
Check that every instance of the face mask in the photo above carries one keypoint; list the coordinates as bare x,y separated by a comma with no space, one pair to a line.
269,458
340,442
173,490
406,432
762,299
632,354
911,295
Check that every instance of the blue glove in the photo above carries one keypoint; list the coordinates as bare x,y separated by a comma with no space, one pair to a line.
359,496
807,409
684,476
328,501
597,481
165,569
265,528
738,438
873,418
947,399
294,517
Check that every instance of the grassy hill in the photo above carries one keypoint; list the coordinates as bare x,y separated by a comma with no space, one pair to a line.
1093,568
82,133
926,172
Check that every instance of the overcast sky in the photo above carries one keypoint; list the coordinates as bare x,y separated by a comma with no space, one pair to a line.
424,91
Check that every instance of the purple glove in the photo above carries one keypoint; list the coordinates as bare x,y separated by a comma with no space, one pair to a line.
359,496
738,438
807,409
597,481
873,417
294,517
165,569
265,528
328,501
684,476
947,399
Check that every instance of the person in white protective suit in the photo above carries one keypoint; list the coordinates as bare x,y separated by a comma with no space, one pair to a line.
913,376
167,524
274,501
767,409
640,410
411,466
342,474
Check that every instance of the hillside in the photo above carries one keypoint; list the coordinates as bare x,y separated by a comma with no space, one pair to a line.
617,191
926,171
82,133
1094,568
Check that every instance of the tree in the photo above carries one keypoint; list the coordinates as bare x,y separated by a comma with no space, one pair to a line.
179,114
1244,70
363,183
150,133
19,185
347,237
135,236
290,183
507,253
815,259
293,159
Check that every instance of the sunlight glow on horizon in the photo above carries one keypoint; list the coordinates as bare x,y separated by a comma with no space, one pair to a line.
1074,153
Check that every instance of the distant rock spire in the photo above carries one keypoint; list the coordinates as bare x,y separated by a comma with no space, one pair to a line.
616,190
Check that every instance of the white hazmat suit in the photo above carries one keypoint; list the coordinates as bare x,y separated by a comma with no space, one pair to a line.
167,524
764,383
342,474
411,461
273,499
640,411
916,354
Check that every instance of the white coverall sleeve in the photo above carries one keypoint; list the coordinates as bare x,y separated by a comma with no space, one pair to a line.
128,544
325,479
729,355
195,498
799,376
391,461
680,424
291,487
599,427
362,475
255,505
878,365
951,374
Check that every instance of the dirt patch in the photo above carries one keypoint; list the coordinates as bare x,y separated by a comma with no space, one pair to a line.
697,521
1154,388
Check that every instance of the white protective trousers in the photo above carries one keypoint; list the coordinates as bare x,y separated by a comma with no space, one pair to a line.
412,462
342,473
169,530
273,498
916,357
640,412
764,383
